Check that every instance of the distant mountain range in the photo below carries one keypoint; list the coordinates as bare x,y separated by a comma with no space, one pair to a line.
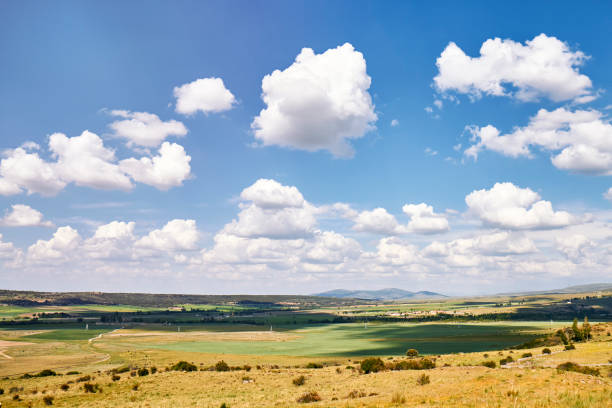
593,287
382,294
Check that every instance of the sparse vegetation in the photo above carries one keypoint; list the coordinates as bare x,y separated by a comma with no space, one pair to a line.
423,379
222,366
372,365
48,400
577,368
489,364
309,397
412,353
184,366
314,365
298,381
546,351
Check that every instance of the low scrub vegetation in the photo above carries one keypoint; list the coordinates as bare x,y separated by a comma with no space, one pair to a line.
423,379
222,366
314,365
92,388
577,368
298,381
184,366
413,364
490,364
372,365
309,397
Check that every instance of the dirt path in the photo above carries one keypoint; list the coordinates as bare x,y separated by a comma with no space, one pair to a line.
4,344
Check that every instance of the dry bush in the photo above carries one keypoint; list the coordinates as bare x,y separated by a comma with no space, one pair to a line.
298,381
372,365
309,397
48,400
423,379
577,368
356,394
221,366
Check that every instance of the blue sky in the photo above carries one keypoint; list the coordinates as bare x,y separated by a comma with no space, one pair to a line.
380,114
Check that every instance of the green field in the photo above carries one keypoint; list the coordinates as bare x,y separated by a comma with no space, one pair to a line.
377,339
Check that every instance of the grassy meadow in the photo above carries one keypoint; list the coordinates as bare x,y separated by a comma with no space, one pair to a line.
126,355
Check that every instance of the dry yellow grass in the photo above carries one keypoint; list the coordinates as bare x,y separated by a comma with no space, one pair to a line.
534,383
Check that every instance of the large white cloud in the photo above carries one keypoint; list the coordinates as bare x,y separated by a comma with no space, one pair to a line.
145,129
508,206
378,221
424,220
112,241
204,95
272,210
581,140
169,169
85,161
267,193
22,215
175,235
59,248
320,102
21,170
542,67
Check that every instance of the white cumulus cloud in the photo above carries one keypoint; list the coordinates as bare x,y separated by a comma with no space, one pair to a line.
320,102
145,129
542,67
22,215
205,95
175,235
508,206
168,169
581,140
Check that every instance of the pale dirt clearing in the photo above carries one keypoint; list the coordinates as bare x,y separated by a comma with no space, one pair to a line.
4,344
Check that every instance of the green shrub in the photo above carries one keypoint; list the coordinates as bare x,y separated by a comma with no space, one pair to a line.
64,387
122,369
115,377
92,388
72,373
83,378
570,347
184,366
46,373
546,351
301,380
413,364
309,397
577,368
48,400
1,391
412,353
526,355
153,370
314,365
423,379
143,372
221,366
490,364
372,365
246,368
